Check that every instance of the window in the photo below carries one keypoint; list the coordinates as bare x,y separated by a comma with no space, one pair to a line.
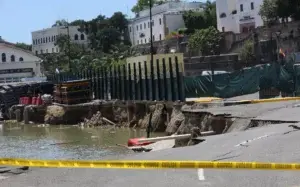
223,29
159,36
82,36
36,41
144,25
49,39
252,6
21,59
129,29
241,7
160,21
223,15
39,41
141,41
141,26
3,56
138,42
153,38
57,49
54,38
76,37
245,30
33,42
137,27
52,50
46,50
46,39
12,58
36,52
145,40
41,51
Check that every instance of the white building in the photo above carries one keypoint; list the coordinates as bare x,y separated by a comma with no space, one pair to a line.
238,16
43,41
166,18
17,63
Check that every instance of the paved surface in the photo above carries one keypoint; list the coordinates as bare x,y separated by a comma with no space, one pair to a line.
250,110
276,143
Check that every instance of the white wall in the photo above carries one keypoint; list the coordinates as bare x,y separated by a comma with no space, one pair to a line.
29,61
157,29
232,22
50,35
158,13
174,22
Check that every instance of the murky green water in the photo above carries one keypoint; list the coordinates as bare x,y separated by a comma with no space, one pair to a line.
64,142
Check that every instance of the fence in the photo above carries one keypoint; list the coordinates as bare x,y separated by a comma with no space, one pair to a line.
137,80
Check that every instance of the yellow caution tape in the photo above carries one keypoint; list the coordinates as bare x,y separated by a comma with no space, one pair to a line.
275,100
148,164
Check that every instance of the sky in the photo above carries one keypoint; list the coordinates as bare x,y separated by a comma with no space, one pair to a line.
19,18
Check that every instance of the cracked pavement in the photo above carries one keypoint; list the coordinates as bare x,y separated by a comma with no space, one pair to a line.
277,145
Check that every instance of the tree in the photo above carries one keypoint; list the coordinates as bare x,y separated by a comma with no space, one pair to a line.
118,21
207,41
143,4
24,46
268,12
204,19
247,52
62,22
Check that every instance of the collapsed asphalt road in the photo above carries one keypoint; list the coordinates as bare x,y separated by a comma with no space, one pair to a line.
275,143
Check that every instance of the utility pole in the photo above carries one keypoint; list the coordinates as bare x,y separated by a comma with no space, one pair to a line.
151,50
69,50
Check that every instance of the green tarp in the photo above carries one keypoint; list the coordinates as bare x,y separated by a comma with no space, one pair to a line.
244,81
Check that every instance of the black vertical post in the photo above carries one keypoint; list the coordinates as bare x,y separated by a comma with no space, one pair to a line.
111,82
135,82
116,83
166,88
95,84
125,82
102,84
212,69
146,81
105,83
158,80
99,88
179,78
141,82
171,79
129,82
120,83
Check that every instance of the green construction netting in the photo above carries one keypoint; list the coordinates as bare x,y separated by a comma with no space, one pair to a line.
244,81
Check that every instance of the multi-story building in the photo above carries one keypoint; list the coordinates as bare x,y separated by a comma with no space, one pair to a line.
17,63
238,16
166,18
43,41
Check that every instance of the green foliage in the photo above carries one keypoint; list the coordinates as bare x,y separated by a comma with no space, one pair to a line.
108,41
24,46
247,52
62,22
207,41
268,12
201,20
144,4
272,10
